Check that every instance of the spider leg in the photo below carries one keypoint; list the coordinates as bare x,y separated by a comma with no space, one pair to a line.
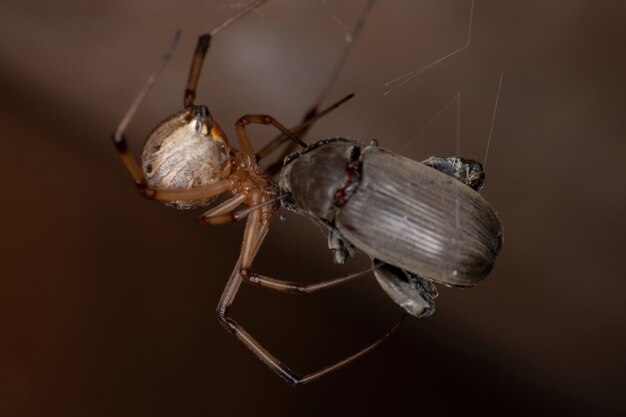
224,212
227,214
313,114
281,369
206,191
242,132
255,232
202,47
196,68
296,287
301,129
268,358
119,140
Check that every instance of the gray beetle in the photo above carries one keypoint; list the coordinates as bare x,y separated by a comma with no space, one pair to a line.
420,222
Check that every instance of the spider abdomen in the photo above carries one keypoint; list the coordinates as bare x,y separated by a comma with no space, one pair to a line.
181,153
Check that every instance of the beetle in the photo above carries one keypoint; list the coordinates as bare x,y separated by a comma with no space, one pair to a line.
419,222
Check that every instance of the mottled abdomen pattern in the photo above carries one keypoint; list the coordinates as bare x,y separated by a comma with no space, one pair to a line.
181,155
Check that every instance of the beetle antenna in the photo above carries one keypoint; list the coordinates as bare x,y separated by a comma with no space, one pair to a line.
405,78
493,120
456,98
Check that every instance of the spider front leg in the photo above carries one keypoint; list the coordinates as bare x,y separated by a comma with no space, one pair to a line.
119,140
299,130
202,47
264,119
313,114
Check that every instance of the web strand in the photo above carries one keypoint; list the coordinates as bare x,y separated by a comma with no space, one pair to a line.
493,120
405,78
456,98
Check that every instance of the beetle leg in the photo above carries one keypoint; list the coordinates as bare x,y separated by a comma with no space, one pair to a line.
340,248
468,171
410,291
203,46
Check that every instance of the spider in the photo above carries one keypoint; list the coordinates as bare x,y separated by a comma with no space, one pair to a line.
187,162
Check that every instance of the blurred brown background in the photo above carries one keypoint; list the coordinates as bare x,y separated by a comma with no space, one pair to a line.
107,300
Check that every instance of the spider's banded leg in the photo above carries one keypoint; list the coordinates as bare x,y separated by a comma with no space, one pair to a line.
256,230
242,132
301,129
119,140
265,356
196,68
296,287
202,47
313,114
131,164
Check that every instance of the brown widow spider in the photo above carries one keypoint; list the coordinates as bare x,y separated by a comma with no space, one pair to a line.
187,161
